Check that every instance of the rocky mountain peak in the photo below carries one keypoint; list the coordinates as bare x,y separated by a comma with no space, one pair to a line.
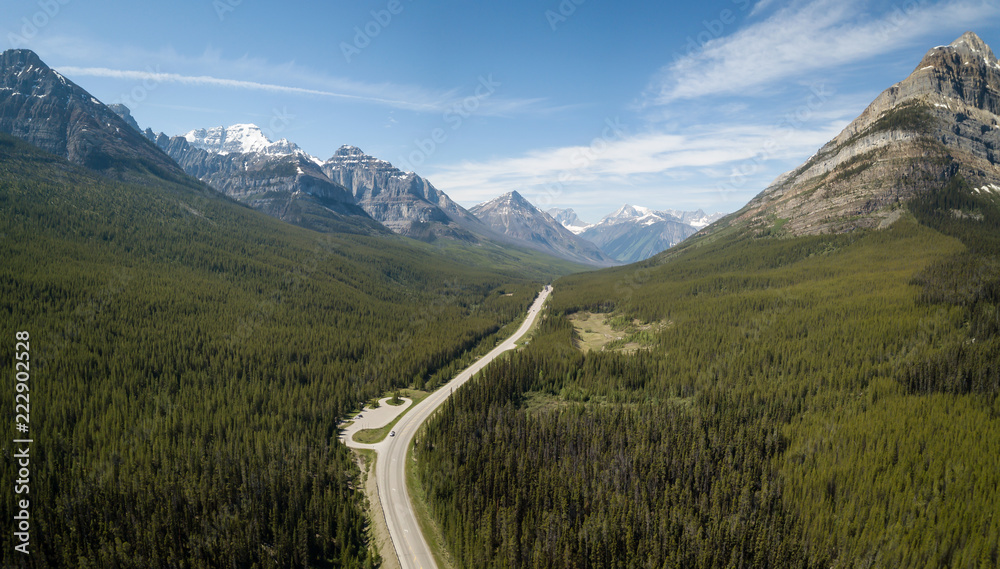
964,56
939,122
40,106
352,157
18,59
564,216
569,219
964,72
630,213
401,201
971,47
513,199
517,219
347,150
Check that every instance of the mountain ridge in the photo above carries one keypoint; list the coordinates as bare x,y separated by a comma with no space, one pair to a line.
939,122
287,185
514,217
242,162
44,108
634,233
404,202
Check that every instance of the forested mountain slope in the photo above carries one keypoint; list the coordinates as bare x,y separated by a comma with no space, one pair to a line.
190,358
812,402
811,382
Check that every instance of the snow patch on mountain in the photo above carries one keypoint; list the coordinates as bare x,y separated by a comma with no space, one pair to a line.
569,219
646,216
242,139
516,218
638,215
353,157
632,214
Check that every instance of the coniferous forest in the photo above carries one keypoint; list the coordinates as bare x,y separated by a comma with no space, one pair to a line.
823,401
195,326
190,359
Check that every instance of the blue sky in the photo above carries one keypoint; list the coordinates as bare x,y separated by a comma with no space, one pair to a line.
574,103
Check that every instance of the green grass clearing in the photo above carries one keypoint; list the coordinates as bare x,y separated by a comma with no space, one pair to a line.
597,332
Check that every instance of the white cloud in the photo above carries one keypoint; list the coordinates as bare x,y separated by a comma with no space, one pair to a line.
205,80
809,36
760,7
648,164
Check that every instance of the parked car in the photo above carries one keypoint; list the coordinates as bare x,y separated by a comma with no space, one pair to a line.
392,433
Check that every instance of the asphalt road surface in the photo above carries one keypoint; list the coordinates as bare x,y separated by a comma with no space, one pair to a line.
390,470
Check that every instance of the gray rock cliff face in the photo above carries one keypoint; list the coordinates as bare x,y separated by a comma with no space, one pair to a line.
402,201
126,115
939,122
282,180
42,107
290,187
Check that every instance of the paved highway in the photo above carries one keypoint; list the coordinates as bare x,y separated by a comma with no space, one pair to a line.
390,470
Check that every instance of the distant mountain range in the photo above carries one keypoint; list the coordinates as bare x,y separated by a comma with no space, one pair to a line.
350,192
514,217
243,163
281,179
635,233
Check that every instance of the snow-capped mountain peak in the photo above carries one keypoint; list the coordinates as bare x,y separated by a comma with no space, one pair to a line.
697,219
633,233
241,139
635,214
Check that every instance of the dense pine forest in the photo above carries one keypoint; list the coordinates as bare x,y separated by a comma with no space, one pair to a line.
190,359
823,401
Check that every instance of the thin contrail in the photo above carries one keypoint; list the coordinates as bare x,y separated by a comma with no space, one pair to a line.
233,84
